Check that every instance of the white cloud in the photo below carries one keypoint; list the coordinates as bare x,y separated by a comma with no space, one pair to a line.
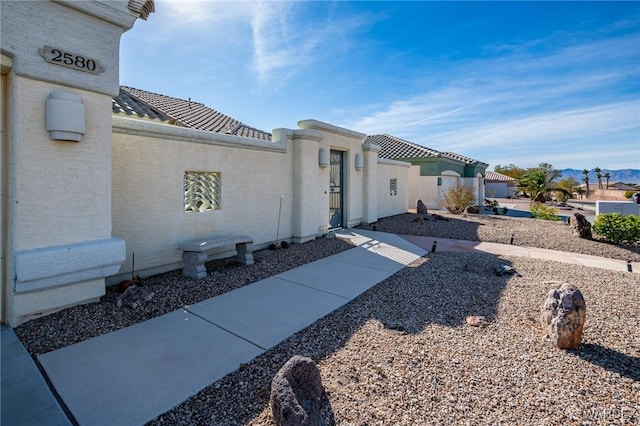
287,38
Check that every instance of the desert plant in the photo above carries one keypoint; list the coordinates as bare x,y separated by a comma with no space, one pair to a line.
457,198
618,228
541,181
628,194
495,206
540,211
598,171
585,172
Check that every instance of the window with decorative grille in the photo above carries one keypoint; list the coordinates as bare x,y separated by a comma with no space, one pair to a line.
201,191
393,186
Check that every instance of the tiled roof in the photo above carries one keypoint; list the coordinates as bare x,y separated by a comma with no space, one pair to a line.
395,148
497,177
124,103
182,112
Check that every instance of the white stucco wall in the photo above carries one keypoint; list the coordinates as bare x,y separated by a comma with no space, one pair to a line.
350,143
423,188
148,179
60,189
389,205
149,161
496,190
624,208
59,243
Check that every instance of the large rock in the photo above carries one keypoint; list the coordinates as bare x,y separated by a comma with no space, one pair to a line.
296,393
421,208
135,296
580,226
563,316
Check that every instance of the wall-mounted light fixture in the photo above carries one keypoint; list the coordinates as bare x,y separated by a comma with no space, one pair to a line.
65,116
323,157
359,162
439,181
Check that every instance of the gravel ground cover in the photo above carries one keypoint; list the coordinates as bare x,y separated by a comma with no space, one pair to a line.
171,291
499,229
401,353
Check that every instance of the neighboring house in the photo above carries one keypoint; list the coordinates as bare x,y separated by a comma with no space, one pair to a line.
621,186
498,185
85,185
432,172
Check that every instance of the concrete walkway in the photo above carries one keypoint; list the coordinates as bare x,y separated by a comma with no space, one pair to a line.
132,375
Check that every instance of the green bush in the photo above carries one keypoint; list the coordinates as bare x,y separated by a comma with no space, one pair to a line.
628,194
457,198
540,211
617,228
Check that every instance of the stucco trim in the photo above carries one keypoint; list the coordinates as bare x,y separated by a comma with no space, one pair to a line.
319,125
56,266
132,126
281,135
114,12
394,162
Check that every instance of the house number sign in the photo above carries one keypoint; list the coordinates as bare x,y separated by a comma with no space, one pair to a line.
57,56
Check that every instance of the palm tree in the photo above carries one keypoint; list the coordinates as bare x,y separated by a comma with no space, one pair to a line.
585,172
539,182
598,176
579,190
607,176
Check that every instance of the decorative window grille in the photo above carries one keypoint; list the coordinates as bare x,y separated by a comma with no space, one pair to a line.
201,191
393,186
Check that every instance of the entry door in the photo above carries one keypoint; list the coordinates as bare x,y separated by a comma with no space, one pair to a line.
336,192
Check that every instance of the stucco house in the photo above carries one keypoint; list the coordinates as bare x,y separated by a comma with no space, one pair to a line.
498,185
92,172
432,172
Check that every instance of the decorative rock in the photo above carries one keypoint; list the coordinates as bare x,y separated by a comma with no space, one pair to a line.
421,208
580,226
477,321
296,393
134,296
502,270
563,316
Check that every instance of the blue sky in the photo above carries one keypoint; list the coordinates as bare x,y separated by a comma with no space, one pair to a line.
502,82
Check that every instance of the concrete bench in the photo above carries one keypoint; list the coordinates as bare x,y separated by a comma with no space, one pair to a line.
194,252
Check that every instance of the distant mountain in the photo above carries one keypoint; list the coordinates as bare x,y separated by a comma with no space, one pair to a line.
623,175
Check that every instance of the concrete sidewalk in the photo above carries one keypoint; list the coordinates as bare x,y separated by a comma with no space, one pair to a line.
130,376
443,244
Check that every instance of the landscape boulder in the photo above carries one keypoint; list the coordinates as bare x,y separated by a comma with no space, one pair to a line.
421,208
477,321
580,226
563,315
296,393
135,296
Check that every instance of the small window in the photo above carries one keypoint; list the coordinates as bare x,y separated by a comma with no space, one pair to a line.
393,186
201,191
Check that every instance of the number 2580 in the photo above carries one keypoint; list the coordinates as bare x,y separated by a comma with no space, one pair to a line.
69,59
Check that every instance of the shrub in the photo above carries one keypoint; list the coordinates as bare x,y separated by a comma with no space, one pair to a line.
617,228
457,198
495,206
540,211
628,194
